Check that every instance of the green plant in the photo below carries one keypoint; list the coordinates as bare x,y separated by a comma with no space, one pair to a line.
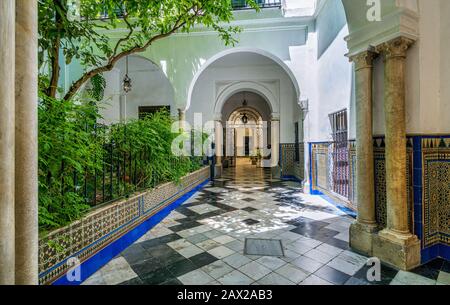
85,39
75,155
67,148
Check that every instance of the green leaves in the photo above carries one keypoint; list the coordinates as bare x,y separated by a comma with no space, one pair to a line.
73,158
142,22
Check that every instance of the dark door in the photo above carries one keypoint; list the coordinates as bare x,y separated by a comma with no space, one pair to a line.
247,146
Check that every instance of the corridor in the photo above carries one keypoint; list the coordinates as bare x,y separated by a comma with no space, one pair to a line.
247,228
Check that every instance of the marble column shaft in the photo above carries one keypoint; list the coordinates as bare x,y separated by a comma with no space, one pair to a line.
26,145
365,192
7,55
275,141
395,122
218,138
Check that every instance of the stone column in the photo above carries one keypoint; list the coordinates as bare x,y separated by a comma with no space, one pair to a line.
396,245
218,140
275,144
361,232
26,190
7,112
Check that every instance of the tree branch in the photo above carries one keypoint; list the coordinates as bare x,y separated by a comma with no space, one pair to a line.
116,57
54,56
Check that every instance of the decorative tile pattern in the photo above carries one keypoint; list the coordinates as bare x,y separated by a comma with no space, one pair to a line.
101,227
380,182
291,167
436,191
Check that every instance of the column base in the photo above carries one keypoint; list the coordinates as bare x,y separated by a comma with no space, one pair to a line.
361,238
306,187
398,250
218,171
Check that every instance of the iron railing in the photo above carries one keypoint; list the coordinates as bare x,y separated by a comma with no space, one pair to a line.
121,172
242,4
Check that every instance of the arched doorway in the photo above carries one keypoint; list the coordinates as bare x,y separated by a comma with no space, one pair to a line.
247,135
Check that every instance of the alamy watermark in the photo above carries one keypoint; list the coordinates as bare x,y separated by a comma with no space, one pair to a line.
374,270
73,274
374,11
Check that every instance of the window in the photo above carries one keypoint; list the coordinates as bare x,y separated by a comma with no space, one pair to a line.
148,110
339,126
340,170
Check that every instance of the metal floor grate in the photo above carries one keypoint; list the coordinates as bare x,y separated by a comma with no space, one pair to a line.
263,247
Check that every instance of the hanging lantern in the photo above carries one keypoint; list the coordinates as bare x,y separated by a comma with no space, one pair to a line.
127,81
244,119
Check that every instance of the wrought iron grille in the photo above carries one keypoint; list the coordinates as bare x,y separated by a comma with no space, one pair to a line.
340,155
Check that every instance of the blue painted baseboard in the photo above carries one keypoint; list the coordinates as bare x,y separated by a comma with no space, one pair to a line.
101,258
291,178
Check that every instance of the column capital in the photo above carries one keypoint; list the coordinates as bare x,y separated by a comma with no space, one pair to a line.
395,48
275,116
217,117
364,59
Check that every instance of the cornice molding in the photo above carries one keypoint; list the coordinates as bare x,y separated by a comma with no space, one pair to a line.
400,23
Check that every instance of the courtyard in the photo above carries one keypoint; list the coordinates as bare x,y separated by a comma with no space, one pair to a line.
203,241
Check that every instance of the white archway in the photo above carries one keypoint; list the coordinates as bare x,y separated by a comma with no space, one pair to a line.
257,51
251,86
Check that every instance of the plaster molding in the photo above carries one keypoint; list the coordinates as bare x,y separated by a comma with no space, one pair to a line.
275,116
224,53
268,89
402,22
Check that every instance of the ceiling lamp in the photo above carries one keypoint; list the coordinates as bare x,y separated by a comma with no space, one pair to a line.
127,81
244,119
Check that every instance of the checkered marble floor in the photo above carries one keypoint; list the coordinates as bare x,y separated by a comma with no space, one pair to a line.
202,242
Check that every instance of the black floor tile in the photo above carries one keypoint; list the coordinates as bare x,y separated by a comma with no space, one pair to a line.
135,281
172,282
427,271
146,266
446,266
332,275
156,277
316,233
135,254
203,259
161,251
337,243
185,226
387,275
249,209
181,267
353,281
159,241
172,258
250,222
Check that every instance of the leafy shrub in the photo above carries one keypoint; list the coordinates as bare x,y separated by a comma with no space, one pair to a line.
82,164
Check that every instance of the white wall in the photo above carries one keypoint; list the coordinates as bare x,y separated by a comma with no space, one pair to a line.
150,87
427,75
326,77
204,94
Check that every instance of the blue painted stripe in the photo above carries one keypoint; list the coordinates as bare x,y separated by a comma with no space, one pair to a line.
291,178
101,258
341,207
